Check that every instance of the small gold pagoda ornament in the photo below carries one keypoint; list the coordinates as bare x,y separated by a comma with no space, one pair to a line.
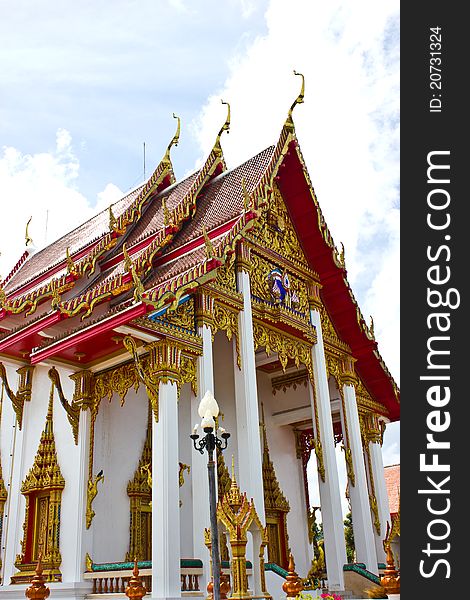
135,590
293,584
37,590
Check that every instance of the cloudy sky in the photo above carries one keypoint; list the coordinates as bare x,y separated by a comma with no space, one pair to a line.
85,84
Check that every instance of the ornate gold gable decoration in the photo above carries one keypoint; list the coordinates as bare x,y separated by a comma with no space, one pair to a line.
275,232
42,489
139,490
276,507
3,491
25,386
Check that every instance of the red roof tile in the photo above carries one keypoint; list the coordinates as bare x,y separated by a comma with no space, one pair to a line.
392,481
75,240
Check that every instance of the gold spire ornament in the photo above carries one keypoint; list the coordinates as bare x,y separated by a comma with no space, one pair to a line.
42,489
299,100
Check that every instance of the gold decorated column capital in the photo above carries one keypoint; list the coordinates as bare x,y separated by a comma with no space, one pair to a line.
165,361
372,428
84,392
348,373
313,294
243,262
204,309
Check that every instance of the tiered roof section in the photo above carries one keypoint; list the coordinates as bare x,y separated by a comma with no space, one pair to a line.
161,242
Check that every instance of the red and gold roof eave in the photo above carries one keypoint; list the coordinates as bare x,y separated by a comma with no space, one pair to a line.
343,309
167,293
85,303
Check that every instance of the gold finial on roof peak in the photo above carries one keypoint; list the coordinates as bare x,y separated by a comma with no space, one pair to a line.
28,238
174,140
225,127
298,100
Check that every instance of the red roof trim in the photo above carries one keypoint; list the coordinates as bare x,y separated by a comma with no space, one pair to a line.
29,330
336,294
74,338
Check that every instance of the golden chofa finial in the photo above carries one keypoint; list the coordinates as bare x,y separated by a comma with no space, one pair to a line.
298,100
28,239
174,139
225,127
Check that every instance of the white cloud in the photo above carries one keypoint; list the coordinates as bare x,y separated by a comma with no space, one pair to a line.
44,186
348,132
347,128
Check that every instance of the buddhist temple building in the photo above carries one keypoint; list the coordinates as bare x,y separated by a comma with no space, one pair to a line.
227,281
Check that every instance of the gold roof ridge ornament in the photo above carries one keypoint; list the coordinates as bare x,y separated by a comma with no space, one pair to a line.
71,267
225,127
113,222
299,100
247,199
174,141
210,252
139,289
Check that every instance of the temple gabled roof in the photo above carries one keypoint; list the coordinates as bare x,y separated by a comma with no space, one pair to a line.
162,241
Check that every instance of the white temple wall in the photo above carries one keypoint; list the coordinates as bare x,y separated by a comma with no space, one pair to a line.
225,395
119,439
281,443
186,454
7,423
8,427
67,457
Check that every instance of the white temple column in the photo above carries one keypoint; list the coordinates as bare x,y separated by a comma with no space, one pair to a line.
81,536
246,398
330,498
166,581
199,481
358,493
14,510
377,485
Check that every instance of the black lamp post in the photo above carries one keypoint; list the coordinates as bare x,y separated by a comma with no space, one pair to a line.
210,441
